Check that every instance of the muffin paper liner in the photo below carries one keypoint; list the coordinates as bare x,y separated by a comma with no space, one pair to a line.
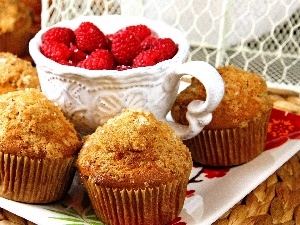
229,147
157,205
16,42
30,180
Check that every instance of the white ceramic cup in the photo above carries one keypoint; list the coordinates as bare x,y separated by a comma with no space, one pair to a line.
90,97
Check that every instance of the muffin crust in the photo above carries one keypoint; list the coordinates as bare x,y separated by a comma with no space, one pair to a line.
12,13
16,73
134,150
33,126
15,27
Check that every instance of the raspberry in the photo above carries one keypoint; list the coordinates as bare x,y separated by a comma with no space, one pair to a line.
59,34
125,47
65,62
148,42
56,51
146,58
130,47
100,59
140,31
166,47
89,37
76,55
109,38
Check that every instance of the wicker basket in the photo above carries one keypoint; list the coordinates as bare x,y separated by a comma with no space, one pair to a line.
275,201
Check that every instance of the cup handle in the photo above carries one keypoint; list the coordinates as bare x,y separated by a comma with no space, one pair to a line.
199,113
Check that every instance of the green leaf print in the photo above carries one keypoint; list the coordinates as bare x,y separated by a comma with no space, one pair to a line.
63,212
71,217
67,219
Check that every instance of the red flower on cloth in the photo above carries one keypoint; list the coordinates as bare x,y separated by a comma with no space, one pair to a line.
190,193
177,221
212,173
209,172
282,126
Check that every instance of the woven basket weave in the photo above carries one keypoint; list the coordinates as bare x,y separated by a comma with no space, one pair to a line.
275,201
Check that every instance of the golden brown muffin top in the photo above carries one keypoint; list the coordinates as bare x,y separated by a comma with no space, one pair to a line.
134,150
31,125
245,99
12,12
16,73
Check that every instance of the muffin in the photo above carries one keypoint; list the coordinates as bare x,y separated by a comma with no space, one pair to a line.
35,7
16,73
238,128
38,148
135,170
15,27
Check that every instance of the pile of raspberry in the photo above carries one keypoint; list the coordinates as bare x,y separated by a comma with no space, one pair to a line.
88,47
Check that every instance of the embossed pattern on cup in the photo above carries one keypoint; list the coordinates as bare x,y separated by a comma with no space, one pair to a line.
90,102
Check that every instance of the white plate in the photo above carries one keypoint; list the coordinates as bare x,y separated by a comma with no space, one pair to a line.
210,193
